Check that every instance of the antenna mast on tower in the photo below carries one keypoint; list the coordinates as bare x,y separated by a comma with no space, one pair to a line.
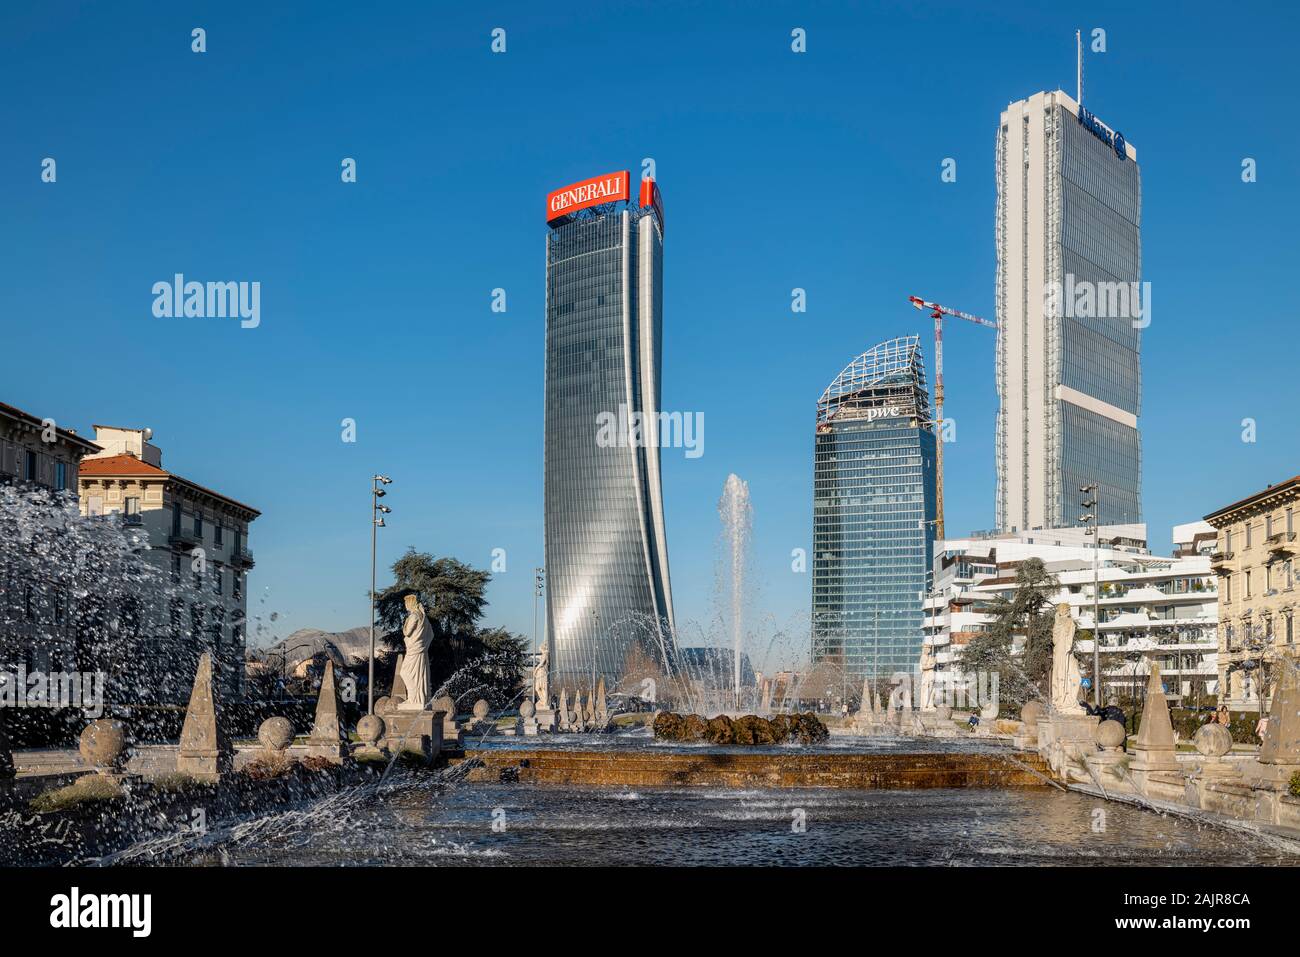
1078,74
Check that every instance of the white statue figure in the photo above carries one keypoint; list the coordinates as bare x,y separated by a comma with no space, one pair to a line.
415,666
927,678
1065,667
541,678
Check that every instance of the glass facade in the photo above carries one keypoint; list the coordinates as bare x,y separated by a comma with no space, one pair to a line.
1100,249
606,557
1070,311
873,512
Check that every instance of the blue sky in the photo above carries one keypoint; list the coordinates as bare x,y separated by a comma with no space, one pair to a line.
819,171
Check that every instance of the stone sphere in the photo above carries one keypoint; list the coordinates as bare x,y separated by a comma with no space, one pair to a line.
445,704
276,734
1031,712
1213,740
103,744
1110,734
943,712
527,709
382,705
370,729
480,709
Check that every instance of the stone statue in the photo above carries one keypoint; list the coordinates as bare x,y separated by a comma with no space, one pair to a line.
415,665
541,677
1065,667
927,678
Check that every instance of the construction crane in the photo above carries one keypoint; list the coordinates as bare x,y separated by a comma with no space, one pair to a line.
937,312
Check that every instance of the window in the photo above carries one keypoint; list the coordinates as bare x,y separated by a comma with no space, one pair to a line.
1248,534
236,584
176,569
132,511
1227,588
216,533
176,518
29,466
216,579
1268,526
61,475
1247,583
198,525
1228,540
1290,522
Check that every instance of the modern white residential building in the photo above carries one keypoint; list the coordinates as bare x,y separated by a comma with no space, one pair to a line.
1069,313
1152,608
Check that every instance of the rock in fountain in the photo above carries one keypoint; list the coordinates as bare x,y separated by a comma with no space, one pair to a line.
205,751
327,739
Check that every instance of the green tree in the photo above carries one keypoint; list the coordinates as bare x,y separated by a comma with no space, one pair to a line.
1028,612
485,662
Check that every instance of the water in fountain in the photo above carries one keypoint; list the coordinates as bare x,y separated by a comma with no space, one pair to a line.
737,523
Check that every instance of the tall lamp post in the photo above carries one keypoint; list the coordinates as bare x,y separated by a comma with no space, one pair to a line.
377,513
539,583
1090,519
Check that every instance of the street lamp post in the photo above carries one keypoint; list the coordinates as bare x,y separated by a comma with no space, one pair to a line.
1090,519
377,513
539,582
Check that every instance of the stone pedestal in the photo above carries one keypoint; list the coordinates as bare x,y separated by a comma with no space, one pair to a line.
1064,739
414,731
546,719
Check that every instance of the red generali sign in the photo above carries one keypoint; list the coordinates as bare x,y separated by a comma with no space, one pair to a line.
589,192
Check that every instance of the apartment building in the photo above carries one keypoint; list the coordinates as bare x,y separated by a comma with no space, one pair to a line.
198,540
1152,609
36,629
1254,560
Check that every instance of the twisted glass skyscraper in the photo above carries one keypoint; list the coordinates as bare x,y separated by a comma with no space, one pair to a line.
1070,312
606,555
874,505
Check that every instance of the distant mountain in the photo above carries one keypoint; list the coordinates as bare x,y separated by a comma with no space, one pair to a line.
343,647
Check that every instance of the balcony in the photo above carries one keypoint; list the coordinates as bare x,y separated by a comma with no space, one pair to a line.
1220,560
241,558
1281,544
185,538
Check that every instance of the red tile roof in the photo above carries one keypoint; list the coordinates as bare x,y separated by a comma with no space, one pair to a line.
114,465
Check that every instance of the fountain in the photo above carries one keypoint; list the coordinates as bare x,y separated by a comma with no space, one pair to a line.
737,522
